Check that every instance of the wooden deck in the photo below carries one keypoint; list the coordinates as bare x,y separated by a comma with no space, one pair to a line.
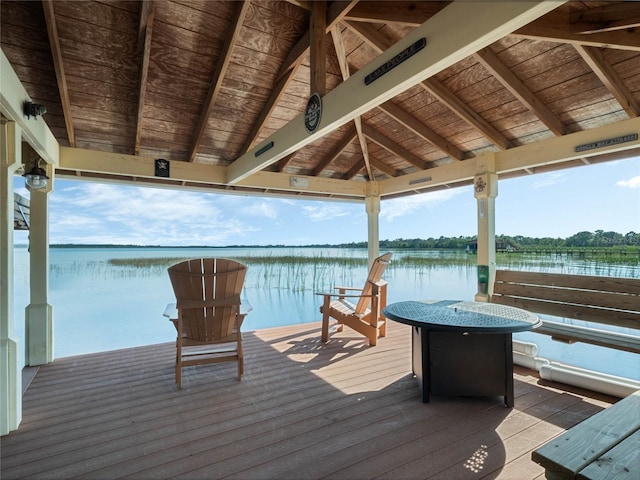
303,410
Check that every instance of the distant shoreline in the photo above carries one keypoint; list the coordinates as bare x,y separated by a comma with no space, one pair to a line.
92,245
598,239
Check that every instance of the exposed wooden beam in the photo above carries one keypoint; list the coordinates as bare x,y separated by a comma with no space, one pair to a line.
448,44
145,32
322,187
120,168
618,16
394,148
241,9
404,13
282,164
274,97
354,170
301,3
318,48
556,27
519,90
58,63
563,149
381,42
370,34
362,140
336,12
335,153
338,44
610,79
145,7
544,153
416,126
466,113
34,131
383,167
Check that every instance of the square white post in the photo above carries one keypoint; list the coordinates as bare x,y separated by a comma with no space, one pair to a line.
485,189
10,373
39,314
372,205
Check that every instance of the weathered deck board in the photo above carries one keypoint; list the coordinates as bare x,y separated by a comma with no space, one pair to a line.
303,410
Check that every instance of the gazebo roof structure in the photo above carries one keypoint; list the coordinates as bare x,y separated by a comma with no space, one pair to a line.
346,100
412,93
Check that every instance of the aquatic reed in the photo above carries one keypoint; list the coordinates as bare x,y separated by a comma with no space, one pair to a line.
299,272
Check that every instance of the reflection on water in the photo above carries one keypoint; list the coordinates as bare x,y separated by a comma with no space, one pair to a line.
110,298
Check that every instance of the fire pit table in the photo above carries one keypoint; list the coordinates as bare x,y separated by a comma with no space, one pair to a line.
462,348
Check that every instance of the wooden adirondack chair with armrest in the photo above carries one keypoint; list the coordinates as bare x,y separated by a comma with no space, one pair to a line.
361,311
208,319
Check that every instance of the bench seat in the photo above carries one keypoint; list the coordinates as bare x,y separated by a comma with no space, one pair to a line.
605,446
603,300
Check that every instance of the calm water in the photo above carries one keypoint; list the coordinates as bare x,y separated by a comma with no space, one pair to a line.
98,306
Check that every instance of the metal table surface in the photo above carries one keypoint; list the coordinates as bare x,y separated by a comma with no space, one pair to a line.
462,348
456,315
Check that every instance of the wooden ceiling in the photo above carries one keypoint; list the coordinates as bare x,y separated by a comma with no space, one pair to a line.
204,82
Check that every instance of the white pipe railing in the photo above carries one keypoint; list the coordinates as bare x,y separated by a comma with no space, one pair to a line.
525,354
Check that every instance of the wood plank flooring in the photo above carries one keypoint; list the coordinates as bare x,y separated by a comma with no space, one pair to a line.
303,410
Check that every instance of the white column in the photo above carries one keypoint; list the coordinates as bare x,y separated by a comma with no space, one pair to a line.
10,374
485,186
39,314
372,204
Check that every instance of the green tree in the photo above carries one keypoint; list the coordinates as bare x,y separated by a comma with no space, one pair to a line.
580,239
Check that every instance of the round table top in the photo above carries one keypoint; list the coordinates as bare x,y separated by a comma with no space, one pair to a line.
455,315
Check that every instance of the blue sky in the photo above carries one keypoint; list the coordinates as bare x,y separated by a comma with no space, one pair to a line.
559,204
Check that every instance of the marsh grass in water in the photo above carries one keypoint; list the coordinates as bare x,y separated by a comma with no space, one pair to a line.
314,272
399,261
126,289
292,272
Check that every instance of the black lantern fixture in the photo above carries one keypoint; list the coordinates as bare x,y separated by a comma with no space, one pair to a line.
36,178
34,110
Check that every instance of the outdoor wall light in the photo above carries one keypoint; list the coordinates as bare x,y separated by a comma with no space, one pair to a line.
33,109
36,178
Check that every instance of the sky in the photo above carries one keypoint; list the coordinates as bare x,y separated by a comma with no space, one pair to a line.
559,204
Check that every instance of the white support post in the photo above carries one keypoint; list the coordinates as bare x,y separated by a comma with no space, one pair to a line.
372,204
485,186
39,314
10,374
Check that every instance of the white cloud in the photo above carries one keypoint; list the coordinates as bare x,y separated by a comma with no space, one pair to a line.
400,207
263,209
324,211
633,182
102,213
548,179
132,205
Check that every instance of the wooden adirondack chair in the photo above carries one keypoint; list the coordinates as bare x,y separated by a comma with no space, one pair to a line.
365,316
208,319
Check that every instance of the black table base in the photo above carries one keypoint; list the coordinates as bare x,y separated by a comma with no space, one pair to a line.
463,364
462,348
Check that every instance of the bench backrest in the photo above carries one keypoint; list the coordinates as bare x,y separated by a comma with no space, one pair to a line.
607,300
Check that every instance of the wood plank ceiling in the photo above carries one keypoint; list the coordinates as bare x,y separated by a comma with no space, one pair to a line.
205,81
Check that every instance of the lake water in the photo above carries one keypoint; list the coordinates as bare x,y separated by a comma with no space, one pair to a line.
99,306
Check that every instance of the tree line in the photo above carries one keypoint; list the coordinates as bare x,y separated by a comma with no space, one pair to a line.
599,238
585,239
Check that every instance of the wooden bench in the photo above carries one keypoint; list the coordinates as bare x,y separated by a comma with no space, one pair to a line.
605,300
604,446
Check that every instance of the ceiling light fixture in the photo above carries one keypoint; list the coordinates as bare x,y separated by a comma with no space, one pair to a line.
36,178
